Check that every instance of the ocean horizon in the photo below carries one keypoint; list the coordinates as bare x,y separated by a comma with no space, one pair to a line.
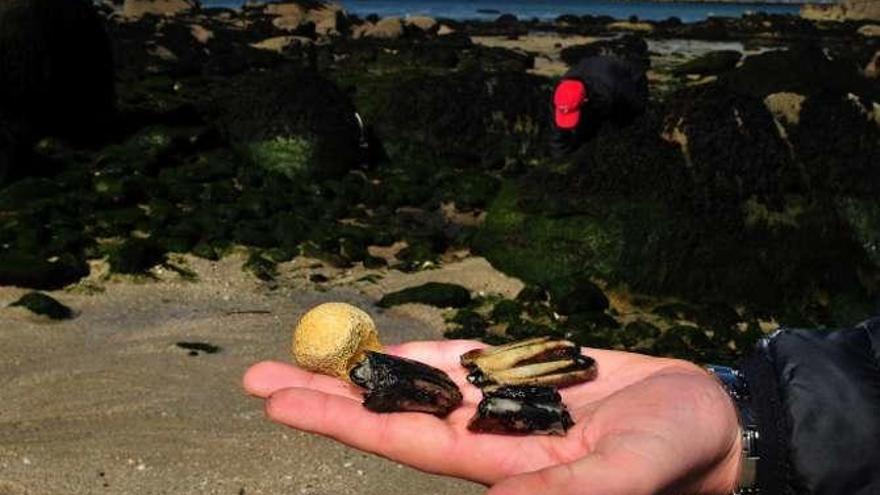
548,9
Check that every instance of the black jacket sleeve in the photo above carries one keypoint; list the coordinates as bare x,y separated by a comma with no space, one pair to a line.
816,397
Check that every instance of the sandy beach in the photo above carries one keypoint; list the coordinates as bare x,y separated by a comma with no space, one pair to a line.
107,403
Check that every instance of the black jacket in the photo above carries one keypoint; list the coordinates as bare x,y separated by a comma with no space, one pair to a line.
816,396
617,91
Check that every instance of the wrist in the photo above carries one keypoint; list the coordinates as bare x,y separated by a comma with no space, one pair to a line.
744,456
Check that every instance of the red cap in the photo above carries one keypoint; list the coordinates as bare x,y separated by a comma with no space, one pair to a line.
569,96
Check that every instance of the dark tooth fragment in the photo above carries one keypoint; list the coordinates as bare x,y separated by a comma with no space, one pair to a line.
512,416
395,384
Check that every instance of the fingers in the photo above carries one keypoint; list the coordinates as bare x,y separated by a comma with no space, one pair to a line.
264,379
420,440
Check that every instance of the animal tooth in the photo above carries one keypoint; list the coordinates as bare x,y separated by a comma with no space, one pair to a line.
521,410
395,384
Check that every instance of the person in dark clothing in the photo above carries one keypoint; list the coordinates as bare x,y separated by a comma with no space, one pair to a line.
800,416
596,90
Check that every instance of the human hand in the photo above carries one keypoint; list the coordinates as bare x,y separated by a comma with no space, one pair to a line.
645,425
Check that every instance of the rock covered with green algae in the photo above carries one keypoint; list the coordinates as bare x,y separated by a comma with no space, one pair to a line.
466,119
292,121
711,63
433,294
725,207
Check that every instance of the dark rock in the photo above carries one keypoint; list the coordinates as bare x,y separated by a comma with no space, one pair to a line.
27,191
506,311
525,329
374,262
631,48
33,271
206,250
467,324
712,63
690,221
195,348
469,189
432,294
480,119
577,295
531,294
12,150
41,304
56,70
838,144
637,333
261,267
294,123
802,69
136,256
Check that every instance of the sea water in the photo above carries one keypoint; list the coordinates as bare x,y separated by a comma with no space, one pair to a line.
547,9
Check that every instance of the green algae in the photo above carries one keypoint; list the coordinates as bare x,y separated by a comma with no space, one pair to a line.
432,294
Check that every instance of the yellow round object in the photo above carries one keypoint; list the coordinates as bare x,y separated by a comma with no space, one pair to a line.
332,337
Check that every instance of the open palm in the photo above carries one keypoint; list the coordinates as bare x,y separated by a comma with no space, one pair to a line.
645,425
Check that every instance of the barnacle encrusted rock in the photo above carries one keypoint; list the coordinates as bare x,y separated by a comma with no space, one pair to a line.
332,338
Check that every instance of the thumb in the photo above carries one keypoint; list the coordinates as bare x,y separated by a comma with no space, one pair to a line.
621,471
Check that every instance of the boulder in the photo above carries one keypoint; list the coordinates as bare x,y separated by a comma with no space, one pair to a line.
846,10
201,34
423,23
432,294
293,122
803,69
870,30
135,9
56,67
466,119
389,28
445,30
44,305
631,48
727,209
710,64
329,19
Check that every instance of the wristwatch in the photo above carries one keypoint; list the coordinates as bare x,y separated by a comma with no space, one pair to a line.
736,386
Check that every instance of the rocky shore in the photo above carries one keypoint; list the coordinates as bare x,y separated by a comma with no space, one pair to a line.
295,129
294,152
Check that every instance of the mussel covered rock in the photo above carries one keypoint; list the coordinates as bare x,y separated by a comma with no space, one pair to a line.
521,410
539,362
396,384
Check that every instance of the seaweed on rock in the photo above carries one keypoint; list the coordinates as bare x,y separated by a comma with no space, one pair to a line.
293,121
